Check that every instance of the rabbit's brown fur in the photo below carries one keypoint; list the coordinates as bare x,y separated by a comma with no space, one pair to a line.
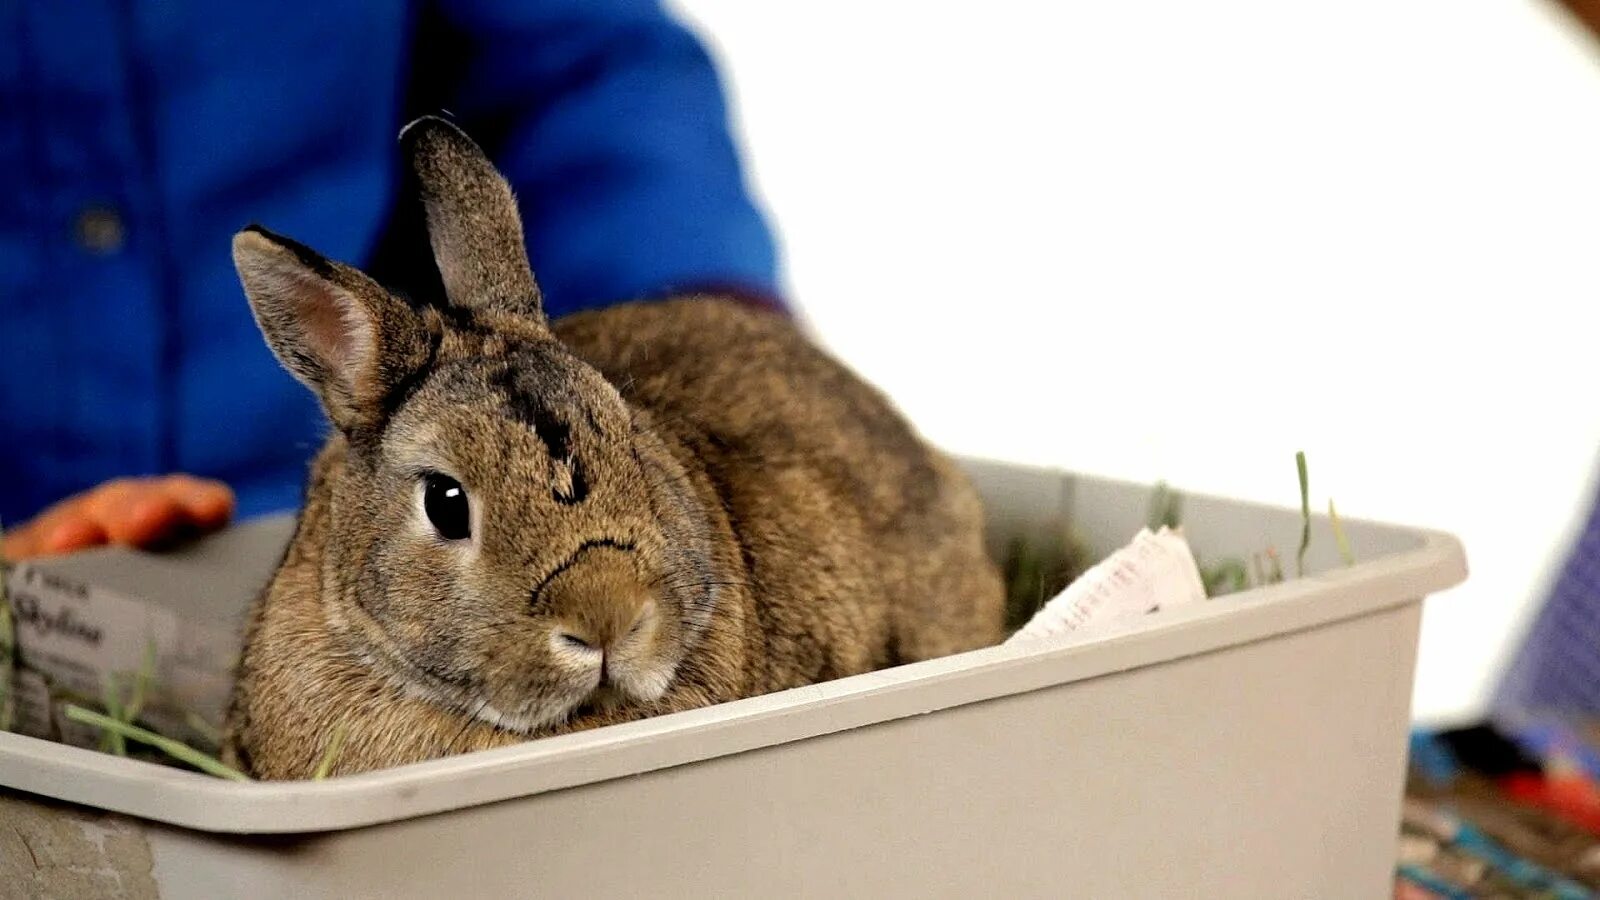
674,504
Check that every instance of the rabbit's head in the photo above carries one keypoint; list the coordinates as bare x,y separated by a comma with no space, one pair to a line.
506,538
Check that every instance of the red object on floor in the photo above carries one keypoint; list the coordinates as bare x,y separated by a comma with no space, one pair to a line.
1572,797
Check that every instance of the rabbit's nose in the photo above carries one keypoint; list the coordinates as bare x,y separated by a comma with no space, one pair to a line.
597,600
575,641
575,636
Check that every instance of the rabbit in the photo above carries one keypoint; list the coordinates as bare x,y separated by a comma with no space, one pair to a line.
520,528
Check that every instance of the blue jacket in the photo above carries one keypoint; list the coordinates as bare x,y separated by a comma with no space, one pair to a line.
135,138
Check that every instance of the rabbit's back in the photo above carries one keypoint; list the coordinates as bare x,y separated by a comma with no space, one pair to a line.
864,545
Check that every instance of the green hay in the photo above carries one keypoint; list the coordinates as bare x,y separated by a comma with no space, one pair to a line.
176,749
330,755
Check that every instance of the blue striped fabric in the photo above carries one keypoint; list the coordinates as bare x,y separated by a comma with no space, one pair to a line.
1557,668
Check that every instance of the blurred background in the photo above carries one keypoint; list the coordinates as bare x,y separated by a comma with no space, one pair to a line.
1181,241
1158,241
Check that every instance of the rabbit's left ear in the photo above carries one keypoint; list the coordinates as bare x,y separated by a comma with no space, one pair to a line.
472,221
335,329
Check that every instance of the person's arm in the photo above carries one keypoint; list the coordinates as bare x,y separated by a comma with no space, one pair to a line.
609,119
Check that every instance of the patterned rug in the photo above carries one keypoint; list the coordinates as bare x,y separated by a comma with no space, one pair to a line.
1502,810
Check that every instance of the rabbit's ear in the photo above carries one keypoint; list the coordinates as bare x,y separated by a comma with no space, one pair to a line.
472,221
332,327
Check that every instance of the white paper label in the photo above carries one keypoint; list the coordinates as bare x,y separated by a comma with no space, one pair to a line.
1155,570
78,637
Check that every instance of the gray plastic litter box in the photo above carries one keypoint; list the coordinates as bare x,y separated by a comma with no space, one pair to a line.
1249,746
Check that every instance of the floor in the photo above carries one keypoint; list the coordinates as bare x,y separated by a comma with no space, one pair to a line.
1502,810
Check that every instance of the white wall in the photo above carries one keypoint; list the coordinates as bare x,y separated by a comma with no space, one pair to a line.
1179,240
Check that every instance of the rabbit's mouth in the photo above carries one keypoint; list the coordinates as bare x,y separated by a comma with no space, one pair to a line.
524,699
641,682
644,681
476,699
604,697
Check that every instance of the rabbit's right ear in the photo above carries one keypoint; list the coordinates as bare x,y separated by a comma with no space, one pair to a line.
332,327
473,222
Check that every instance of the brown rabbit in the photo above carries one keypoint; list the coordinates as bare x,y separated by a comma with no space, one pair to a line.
519,528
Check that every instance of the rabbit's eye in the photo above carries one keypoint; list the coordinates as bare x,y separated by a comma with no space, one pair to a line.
445,501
